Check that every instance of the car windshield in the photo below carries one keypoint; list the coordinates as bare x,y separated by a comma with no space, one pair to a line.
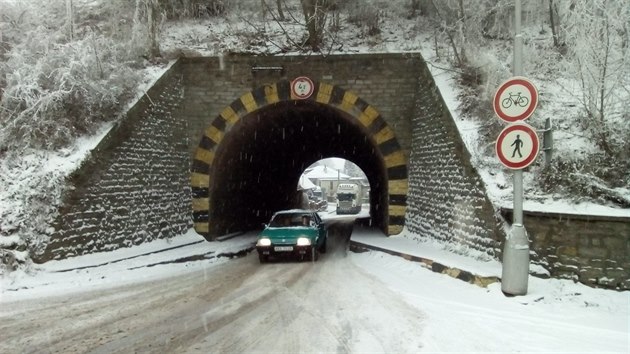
287,219
345,196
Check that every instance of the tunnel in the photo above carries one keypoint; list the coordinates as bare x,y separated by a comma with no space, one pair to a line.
250,158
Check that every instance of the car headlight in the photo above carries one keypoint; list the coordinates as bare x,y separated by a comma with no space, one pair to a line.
303,241
263,242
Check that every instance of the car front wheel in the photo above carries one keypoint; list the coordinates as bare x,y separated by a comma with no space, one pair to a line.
314,254
322,249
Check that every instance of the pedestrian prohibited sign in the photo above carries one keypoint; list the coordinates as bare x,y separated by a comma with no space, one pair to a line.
517,146
515,100
302,87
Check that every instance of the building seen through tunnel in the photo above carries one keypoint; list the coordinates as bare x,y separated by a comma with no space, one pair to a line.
320,183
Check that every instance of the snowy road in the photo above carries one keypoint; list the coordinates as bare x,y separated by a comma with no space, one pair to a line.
181,295
240,306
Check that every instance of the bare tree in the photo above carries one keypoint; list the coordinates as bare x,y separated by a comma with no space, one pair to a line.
70,18
351,169
334,11
461,26
415,8
315,14
263,10
153,24
146,28
452,25
280,11
595,39
552,22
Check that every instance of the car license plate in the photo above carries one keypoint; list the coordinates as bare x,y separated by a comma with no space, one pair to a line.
283,248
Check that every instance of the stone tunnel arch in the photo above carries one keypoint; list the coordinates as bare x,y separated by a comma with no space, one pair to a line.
250,158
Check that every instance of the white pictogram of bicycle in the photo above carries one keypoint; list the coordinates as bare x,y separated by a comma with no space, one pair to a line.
515,99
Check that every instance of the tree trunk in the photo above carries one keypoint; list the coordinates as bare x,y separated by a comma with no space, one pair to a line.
462,30
415,4
458,58
153,23
280,12
315,17
263,10
602,88
554,34
70,16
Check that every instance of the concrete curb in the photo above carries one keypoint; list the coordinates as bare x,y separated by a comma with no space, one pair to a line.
482,281
229,236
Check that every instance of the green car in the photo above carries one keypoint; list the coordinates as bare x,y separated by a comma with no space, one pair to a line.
293,233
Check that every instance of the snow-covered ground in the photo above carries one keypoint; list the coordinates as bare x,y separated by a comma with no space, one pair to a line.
555,316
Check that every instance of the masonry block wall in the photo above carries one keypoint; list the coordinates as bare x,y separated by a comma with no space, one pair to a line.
135,185
386,81
447,199
593,250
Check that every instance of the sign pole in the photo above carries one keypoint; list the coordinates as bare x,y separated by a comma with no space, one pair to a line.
515,271
518,71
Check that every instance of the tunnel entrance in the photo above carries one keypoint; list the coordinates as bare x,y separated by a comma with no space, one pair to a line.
251,157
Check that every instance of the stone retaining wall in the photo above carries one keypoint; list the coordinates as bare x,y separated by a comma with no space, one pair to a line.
134,187
594,250
447,199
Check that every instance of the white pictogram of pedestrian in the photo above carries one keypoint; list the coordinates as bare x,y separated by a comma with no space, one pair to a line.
517,149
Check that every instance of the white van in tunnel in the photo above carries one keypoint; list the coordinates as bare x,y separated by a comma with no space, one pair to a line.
349,198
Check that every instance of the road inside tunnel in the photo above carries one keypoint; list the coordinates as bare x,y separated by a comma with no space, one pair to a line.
259,162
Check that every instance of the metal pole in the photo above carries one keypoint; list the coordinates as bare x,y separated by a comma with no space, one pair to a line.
515,271
548,141
517,68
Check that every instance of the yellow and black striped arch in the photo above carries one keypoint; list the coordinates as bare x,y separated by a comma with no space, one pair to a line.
381,134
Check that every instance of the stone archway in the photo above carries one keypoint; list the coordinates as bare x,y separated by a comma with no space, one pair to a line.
252,153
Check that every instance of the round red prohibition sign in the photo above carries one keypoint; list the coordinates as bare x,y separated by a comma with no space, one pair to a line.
302,87
515,100
517,146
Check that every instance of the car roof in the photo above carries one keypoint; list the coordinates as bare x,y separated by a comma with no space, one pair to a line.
294,211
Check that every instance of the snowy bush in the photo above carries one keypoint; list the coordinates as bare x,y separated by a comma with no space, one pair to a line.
57,92
367,17
597,38
58,79
56,89
31,195
595,178
179,9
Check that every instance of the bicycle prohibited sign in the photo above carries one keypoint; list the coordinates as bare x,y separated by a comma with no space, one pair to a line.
515,100
517,146
302,88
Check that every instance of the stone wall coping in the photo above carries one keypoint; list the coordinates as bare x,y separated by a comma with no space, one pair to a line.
249,56
585,217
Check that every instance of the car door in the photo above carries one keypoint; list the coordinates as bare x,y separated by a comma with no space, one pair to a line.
321,229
